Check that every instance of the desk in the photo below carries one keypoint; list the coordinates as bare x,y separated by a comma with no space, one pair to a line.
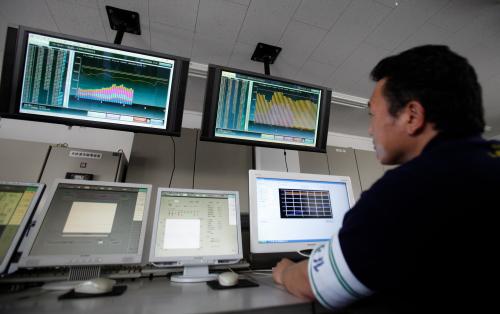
159,295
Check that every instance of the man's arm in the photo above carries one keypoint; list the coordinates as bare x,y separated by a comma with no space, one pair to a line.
294,277
334,285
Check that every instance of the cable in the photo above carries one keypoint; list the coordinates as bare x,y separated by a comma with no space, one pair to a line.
328,163
257,270
195,149
260,274
173,170
286,164
302,254
160,265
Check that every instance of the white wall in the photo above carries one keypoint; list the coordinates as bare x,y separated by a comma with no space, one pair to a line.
274,159
78,137
109,140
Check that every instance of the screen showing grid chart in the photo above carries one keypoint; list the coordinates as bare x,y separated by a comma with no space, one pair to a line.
196,224
15,201
299,210
75,80
266,110
297,203
91,219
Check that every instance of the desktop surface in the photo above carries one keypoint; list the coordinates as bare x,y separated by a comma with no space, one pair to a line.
162,296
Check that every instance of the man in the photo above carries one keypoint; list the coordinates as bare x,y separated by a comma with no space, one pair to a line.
421,238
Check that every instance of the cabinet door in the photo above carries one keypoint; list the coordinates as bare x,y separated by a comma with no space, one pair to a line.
21,160
313,162
343,163
340,161
370,169
221,166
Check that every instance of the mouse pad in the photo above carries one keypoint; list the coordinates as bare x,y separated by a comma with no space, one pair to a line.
242,283
117,290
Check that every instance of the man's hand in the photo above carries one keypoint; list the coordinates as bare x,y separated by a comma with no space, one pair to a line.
280,268
294,277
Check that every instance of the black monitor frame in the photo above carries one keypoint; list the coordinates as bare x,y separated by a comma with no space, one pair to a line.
211,105
178,89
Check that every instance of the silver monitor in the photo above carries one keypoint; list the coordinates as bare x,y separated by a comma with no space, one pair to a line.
291,212
17,203
195,229
89,223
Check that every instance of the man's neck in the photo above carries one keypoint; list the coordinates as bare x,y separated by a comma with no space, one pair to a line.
418,143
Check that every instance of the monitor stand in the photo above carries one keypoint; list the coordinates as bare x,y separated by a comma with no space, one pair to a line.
77,275
194,274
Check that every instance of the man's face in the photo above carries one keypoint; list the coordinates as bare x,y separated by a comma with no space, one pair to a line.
388,132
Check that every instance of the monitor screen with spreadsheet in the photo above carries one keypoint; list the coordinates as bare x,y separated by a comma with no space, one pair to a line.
76,81
196,226
196,229
17,204
294,211
89,223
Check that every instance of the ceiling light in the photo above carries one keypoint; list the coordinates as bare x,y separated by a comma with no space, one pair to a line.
200,70
349,101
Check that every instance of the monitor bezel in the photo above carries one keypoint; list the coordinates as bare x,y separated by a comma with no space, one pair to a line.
178,87
253,175
177,261
34,261
211,106
14,245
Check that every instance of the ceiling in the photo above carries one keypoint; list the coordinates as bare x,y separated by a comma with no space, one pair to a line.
328,42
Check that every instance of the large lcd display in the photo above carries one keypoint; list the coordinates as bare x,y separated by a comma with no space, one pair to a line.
249,108
84,82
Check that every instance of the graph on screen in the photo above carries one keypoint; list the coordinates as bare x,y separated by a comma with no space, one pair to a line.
267,110
133,83
285,110
115,94
296,203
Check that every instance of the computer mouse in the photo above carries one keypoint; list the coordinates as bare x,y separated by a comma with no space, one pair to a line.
228,279
95,286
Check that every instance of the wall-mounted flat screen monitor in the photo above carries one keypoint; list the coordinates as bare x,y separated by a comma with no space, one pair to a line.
88,223
295,211
17,204
70,80
254,109
195,229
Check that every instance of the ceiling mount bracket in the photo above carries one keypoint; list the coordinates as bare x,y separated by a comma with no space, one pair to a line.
123,21
267,54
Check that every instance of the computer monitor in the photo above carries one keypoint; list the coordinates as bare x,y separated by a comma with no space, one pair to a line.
89,223
75,81
254,109
17,204
195,229
295,211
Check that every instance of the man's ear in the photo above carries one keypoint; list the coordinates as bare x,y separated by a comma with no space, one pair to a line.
415,114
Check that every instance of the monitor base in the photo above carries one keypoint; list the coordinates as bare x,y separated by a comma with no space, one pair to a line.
194,274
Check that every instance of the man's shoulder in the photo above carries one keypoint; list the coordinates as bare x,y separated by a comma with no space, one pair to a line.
435,172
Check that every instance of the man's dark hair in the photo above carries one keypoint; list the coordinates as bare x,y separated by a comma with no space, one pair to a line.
442,81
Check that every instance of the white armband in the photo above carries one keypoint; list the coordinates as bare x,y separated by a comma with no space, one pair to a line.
331,280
